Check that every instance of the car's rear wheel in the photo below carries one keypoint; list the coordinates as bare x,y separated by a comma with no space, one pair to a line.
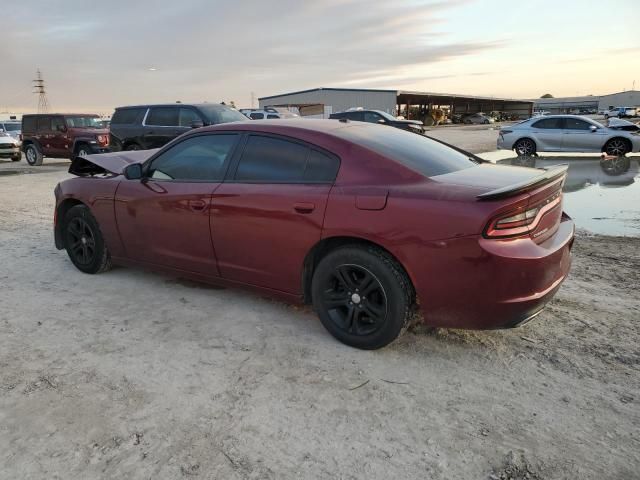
33,155
84,242
525,147
617,147
362,296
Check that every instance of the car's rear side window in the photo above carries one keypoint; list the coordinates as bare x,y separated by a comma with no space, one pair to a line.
128,116
256,115
414,151
163,117
276,160
548,124
28,124
44,124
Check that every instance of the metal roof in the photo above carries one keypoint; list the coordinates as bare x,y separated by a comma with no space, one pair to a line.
330,89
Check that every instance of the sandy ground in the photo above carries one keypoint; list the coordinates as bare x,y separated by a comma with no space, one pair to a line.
137,375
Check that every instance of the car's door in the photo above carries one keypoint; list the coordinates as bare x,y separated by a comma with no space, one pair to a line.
44,134
578,136
161,125
164,219
547,133
59,141
269,212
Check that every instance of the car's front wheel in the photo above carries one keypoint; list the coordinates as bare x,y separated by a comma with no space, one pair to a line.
617,147
362,296
82,151
84,242
525,147
33,155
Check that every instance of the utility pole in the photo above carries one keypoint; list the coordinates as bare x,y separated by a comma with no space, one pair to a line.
38,87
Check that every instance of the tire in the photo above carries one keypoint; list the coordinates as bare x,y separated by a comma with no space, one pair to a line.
133,146
362,296
17,158
84,242
525,147
82,150
617,146
33,155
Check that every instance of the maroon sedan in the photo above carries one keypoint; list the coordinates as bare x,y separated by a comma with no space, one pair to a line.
364,221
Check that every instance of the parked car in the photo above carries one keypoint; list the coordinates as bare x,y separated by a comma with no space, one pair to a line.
62,135
622,112
478,118
267,113
380,117
151,126
325,212
566,133
541,113
9,147
13,129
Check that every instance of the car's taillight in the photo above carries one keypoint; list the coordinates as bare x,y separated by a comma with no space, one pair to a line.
521,222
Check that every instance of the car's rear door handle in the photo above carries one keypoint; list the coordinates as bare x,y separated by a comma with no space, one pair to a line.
197,205
304,207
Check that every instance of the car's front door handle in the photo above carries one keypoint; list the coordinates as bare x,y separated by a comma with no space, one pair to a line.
197,205
304,207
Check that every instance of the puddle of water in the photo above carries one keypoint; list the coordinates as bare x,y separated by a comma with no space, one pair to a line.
18,172
601,196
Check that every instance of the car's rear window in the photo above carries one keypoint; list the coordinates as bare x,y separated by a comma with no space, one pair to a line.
417,152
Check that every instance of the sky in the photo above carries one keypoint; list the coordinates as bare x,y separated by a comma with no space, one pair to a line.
95,56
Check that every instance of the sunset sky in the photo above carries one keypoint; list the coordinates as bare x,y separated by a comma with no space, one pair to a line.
95,56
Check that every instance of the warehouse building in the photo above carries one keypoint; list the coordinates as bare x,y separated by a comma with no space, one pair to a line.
321,102
630,98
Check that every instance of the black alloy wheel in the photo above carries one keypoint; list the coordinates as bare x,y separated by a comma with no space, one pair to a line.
362,295
355,300
84,242
525,147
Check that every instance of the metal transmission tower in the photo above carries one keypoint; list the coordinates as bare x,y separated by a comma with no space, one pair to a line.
38,87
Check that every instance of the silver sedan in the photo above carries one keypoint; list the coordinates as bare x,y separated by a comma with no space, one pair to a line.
566,133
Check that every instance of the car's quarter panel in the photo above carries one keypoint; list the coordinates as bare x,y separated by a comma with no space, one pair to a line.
98,194
167,223
262,232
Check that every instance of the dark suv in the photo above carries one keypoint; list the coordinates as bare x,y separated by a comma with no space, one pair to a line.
378,116
62,135
151,126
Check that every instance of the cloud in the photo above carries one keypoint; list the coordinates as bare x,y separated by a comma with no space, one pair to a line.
99,56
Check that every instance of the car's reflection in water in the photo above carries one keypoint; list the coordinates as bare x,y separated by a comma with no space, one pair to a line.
590,197
586,171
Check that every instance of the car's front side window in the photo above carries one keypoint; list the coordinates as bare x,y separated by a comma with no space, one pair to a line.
200,158
371,117
576,124
188,116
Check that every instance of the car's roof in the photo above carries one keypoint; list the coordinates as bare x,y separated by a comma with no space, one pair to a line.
63,114
282,124
148,105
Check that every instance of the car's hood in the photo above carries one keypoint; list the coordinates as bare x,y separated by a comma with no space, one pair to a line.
7,139
114,162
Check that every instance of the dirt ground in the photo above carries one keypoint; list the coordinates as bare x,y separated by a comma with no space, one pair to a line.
137,375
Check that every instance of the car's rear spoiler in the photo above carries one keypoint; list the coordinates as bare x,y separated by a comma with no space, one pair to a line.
551,174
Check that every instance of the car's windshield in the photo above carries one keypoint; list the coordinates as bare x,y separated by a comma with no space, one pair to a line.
386,115
221,114
12,127
417,152
83,122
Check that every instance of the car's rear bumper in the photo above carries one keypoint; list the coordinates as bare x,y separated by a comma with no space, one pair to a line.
480,283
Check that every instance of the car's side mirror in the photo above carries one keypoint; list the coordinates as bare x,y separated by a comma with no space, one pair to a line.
593,128
197,124
133,171
382,120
